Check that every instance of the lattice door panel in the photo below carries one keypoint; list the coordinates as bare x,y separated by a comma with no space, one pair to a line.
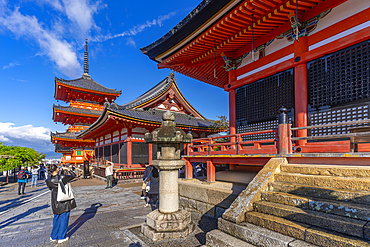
337,115
260,101
340,77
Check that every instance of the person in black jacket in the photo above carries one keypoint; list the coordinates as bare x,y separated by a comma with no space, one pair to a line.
61,210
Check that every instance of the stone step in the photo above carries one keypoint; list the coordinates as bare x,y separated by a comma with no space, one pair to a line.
277,224
254,235
304,233
217,238
327,170
346,209
360,197
327,238
347,183
333,222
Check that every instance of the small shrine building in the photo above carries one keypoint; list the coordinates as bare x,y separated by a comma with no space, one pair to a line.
119,131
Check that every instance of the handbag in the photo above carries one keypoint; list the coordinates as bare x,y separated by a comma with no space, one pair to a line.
65,192
147,188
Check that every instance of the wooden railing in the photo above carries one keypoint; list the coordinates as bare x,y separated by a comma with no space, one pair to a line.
234,144
348,143
122,174
283,143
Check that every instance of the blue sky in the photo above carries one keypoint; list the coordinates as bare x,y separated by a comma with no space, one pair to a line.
41,39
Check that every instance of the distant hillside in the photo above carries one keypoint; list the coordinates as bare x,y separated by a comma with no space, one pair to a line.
53,155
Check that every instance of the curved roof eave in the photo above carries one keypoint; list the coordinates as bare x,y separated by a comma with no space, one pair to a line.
188,28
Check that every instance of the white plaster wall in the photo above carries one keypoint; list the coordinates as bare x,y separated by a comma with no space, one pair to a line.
123,131
115,133
342,12
123,137
108,136
116,139
276,45
107,141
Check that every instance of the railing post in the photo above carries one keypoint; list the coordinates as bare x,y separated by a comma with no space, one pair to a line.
188,170
284,144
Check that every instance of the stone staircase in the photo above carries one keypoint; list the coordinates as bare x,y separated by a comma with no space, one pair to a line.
306,205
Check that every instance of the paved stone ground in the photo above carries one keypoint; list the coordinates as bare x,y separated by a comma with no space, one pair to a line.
104,217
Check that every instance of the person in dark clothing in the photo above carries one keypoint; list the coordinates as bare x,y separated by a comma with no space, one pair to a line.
153,178
61,210
22,180
147,171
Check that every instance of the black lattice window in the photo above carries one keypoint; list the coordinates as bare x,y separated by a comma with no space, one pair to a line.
260,101
340,77
337,115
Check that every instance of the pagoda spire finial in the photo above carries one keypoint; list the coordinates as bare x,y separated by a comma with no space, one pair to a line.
86,60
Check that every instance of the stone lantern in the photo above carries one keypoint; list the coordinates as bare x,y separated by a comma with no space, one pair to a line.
168,221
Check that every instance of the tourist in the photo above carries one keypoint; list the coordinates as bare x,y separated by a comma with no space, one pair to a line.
61,210
153,192
109,173
22,179
35,175
147,171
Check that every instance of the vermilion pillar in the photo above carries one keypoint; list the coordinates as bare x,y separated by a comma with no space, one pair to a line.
150,153
129,148
300,89
211,170
232,107
188,170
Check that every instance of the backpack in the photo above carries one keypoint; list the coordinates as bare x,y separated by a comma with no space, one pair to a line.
21,174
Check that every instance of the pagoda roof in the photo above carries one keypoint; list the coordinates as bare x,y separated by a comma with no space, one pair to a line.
64,135
76,110
61,149
87,83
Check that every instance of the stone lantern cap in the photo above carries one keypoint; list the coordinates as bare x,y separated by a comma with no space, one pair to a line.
168,133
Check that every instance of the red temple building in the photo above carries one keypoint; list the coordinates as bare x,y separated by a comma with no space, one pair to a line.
119,131
310,57
86,98
298,77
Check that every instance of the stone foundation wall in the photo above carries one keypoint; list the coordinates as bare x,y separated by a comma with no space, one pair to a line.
207,198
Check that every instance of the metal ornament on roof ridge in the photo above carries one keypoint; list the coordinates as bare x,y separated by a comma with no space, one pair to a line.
86,60
171,77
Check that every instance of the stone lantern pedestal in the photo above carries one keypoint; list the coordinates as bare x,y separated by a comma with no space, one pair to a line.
168,221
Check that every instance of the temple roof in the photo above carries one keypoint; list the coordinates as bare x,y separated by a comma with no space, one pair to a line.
158,91
151,116
215,40
155,115
76,110
85,82
190,24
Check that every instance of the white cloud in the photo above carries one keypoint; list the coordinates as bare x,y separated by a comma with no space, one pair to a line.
135,30
4,139
58,50
130,41
10,65
26,136
26,132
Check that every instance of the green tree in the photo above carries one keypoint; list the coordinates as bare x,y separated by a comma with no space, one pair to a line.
15,156
221,125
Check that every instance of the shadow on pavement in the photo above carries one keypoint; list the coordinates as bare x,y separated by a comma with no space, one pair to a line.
87,215
22,215
13,202
135,245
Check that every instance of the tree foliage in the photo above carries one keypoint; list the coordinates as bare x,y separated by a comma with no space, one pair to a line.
22,156
221,125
